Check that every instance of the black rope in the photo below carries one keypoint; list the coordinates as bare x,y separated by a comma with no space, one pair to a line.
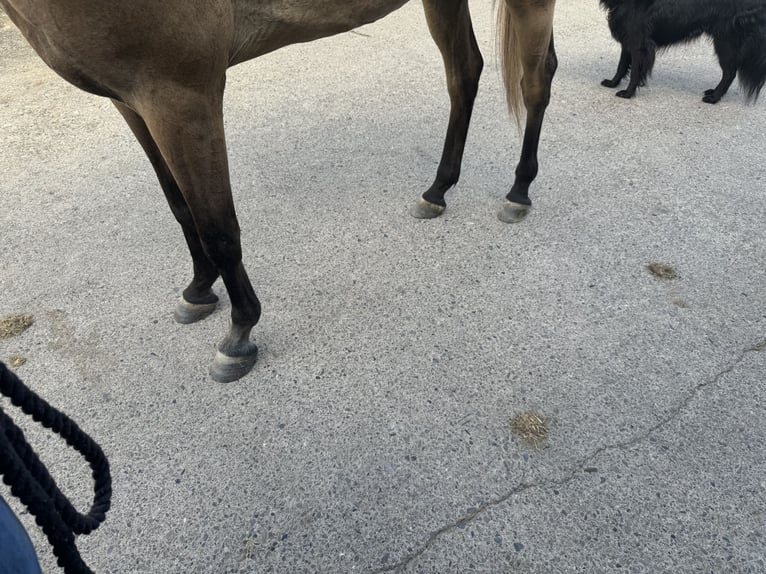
30,481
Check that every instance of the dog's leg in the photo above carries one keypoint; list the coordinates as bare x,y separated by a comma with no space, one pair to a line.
727,57
635,76
622,69
642,61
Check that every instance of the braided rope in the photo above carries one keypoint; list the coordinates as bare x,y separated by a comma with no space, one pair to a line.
30,481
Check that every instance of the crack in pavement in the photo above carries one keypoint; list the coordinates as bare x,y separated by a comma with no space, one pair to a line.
578,467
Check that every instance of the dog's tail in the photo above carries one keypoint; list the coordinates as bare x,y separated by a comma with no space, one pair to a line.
751,60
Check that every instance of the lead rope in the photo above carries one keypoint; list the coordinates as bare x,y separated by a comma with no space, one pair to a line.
30,481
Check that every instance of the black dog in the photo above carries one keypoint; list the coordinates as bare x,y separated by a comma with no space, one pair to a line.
737,27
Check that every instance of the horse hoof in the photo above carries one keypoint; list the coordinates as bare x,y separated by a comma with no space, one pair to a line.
512,212
226,369
186,312
426,210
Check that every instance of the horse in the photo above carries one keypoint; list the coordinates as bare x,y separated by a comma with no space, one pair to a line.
163,65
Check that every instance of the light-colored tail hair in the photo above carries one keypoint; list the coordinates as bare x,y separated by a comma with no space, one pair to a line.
510,59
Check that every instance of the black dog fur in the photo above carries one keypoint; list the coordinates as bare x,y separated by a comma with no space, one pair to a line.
737,28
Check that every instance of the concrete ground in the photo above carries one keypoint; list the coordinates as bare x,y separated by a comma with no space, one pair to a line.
374,434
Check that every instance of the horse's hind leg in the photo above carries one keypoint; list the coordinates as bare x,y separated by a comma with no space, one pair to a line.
450,24
533,26
187,125
198,299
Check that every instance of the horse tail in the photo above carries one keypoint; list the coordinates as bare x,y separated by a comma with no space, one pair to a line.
510,59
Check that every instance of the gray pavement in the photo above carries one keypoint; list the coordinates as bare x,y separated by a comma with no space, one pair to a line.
374,433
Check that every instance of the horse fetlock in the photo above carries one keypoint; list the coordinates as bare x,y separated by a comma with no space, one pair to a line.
199,295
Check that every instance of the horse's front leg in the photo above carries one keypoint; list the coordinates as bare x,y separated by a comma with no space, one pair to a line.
198,300
187,125
450,24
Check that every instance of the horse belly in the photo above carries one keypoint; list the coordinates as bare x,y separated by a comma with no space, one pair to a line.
108,48
262,26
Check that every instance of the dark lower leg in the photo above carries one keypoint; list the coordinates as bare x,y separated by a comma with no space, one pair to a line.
236,353
219,233
526,169
246,310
